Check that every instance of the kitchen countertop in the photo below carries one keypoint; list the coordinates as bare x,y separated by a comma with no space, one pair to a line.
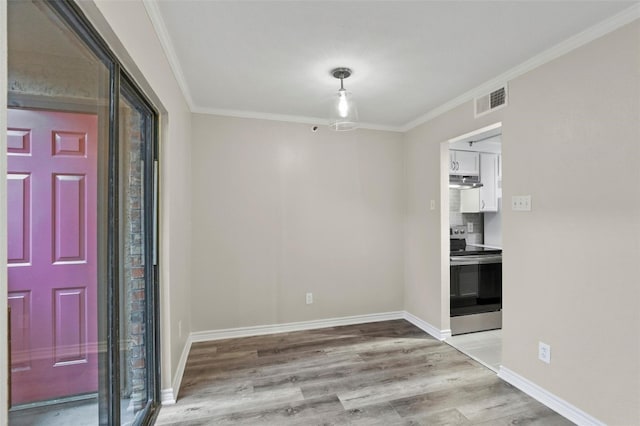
485,246
475,249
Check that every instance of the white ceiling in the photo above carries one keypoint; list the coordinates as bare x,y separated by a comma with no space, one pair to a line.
272,59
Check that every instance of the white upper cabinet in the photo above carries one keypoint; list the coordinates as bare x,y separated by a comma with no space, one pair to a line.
489,178
485,198
470,200
465,163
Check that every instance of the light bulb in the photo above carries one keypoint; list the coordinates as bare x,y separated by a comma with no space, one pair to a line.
343,105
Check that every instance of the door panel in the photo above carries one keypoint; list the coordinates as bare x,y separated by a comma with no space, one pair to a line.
19,216
70,340
18,142
52,204
69,230
20,304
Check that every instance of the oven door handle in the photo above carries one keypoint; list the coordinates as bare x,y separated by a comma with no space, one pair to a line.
475,260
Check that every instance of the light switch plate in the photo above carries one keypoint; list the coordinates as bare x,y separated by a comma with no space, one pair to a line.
521,203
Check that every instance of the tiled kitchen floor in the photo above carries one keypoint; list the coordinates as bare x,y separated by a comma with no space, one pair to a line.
484,347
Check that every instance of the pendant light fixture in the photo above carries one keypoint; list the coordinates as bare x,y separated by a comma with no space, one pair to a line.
344,115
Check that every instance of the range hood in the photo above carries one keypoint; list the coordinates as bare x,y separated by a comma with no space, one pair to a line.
464,182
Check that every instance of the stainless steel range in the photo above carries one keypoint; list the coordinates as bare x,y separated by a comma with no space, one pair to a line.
475,285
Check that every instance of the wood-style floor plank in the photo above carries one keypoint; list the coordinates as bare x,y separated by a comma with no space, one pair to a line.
384,373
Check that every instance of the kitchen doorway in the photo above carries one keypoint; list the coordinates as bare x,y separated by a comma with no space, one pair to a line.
474,227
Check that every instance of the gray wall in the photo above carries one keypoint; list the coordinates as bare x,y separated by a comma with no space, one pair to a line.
282,211
570,271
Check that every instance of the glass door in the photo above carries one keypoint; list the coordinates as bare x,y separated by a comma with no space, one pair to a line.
82,270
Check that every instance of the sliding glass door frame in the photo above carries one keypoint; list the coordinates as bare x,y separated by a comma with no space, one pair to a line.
109,388
150,201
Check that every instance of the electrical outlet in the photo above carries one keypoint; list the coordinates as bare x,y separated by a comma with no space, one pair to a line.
469,227
309,298
544,352
432,204
180,328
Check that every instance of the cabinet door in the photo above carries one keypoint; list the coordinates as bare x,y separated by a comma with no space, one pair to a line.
467,163
470,200
489,179
452,162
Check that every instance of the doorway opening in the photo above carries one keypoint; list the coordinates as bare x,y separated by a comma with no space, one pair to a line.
82,235
474,212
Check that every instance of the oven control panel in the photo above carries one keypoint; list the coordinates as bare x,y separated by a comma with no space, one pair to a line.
458,231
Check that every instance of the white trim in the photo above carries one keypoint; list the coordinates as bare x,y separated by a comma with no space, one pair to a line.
284,117
258,330
608,25
492,129
160,27
426,327
564,408
167,397
170,395
155,15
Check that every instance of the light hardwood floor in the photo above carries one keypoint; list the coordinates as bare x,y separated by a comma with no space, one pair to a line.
385,373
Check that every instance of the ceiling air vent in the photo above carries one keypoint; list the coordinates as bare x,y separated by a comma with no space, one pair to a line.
491,102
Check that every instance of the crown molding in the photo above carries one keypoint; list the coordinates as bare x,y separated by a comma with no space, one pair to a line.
155,16
602,28
284,117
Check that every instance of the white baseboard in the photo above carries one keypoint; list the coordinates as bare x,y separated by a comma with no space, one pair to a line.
230,333
167,397
547,398
426,327
170,396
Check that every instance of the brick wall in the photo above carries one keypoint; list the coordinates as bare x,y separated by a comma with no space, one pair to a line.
134,273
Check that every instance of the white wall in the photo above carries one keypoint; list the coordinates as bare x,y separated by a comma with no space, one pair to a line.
281,211
129,31
570,275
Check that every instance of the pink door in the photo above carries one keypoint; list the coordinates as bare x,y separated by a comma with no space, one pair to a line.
52,202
